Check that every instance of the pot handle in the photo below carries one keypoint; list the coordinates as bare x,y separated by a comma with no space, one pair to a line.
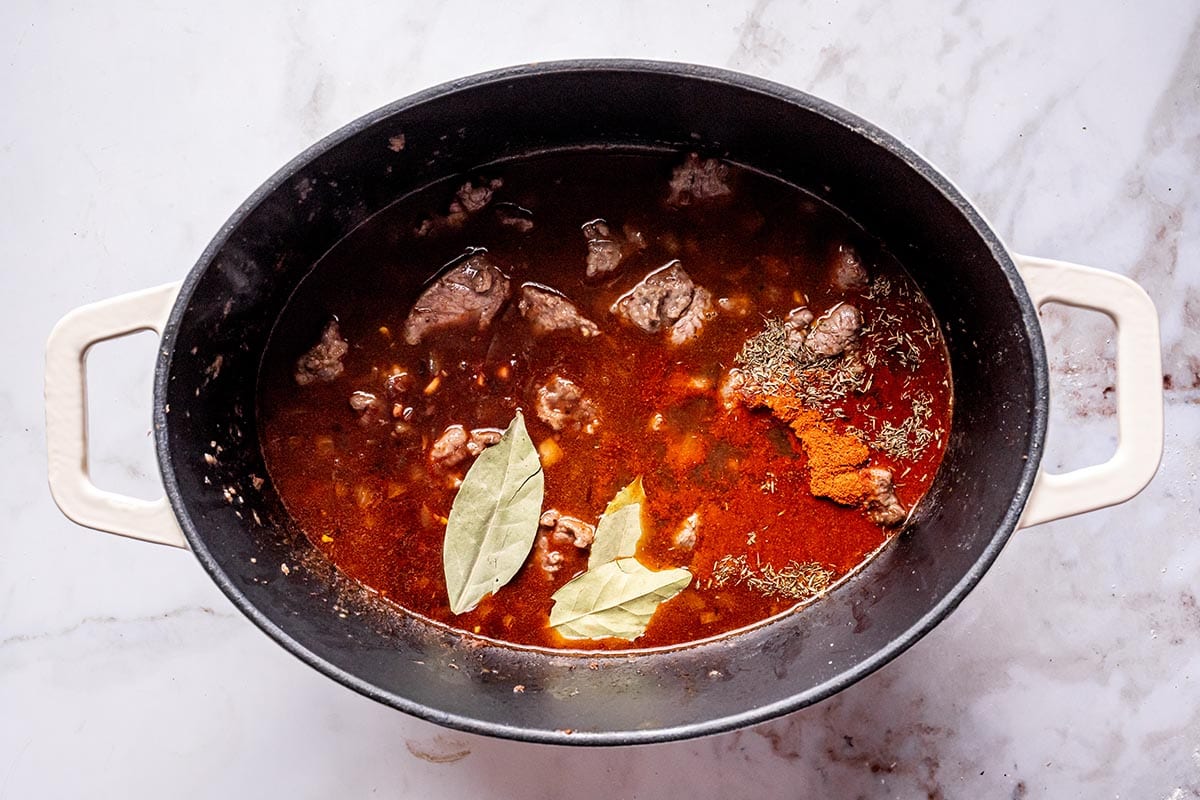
1139,389
66,416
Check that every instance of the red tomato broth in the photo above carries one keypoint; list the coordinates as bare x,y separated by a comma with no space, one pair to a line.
375,507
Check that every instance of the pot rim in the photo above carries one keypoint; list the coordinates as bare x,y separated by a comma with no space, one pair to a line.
900,643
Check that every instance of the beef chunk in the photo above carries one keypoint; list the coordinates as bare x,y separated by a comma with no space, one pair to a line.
799,319
324,361
568,530
470,293
451,447
481,438
881,505
666,298
836,331
361,401
549,311
847,272
658,300
467,200
561,405
456,444
797,324
559,530
688,326
685,537
729,393
515,216
698,179
548,559
375,410
604,250
471,198
371,409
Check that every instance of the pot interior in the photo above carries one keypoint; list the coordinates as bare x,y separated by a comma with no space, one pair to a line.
215,477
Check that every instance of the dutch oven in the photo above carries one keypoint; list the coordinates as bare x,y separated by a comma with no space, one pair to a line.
214,327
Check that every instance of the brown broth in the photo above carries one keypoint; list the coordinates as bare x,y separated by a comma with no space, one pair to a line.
371,502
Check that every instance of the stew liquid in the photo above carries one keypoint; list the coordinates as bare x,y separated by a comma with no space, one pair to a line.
355,470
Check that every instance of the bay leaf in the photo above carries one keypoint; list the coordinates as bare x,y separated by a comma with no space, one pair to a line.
620,526
614,600
494,518
635,492
617,535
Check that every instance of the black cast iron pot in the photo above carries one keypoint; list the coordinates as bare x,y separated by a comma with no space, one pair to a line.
219,320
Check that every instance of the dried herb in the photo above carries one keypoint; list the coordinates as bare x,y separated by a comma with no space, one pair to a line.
773,365
906,440
620,526
730,570
880,287
494,519
890,334
796,581
615,600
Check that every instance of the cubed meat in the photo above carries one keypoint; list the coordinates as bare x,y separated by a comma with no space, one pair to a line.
881,504
324,361
699,311
847,272
663,299
361,401
450,448
836,331
568,530
471,198
685,537
547,558
562,405
456,444
730,391
481,438
698,179
604,250
371,409
797,324
515,216
549,311
469,293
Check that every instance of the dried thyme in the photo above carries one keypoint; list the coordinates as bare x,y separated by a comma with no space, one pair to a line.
910,438
771,365
796,581
880,287
729,570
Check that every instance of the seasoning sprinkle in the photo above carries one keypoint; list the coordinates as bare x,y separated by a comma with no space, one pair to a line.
907,440
771,365
796,581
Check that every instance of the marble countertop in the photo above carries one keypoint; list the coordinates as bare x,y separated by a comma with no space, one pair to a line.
131,131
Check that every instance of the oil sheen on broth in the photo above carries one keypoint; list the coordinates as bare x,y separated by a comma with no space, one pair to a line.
769,370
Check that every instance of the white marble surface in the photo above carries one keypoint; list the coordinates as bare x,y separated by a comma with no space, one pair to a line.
129,131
